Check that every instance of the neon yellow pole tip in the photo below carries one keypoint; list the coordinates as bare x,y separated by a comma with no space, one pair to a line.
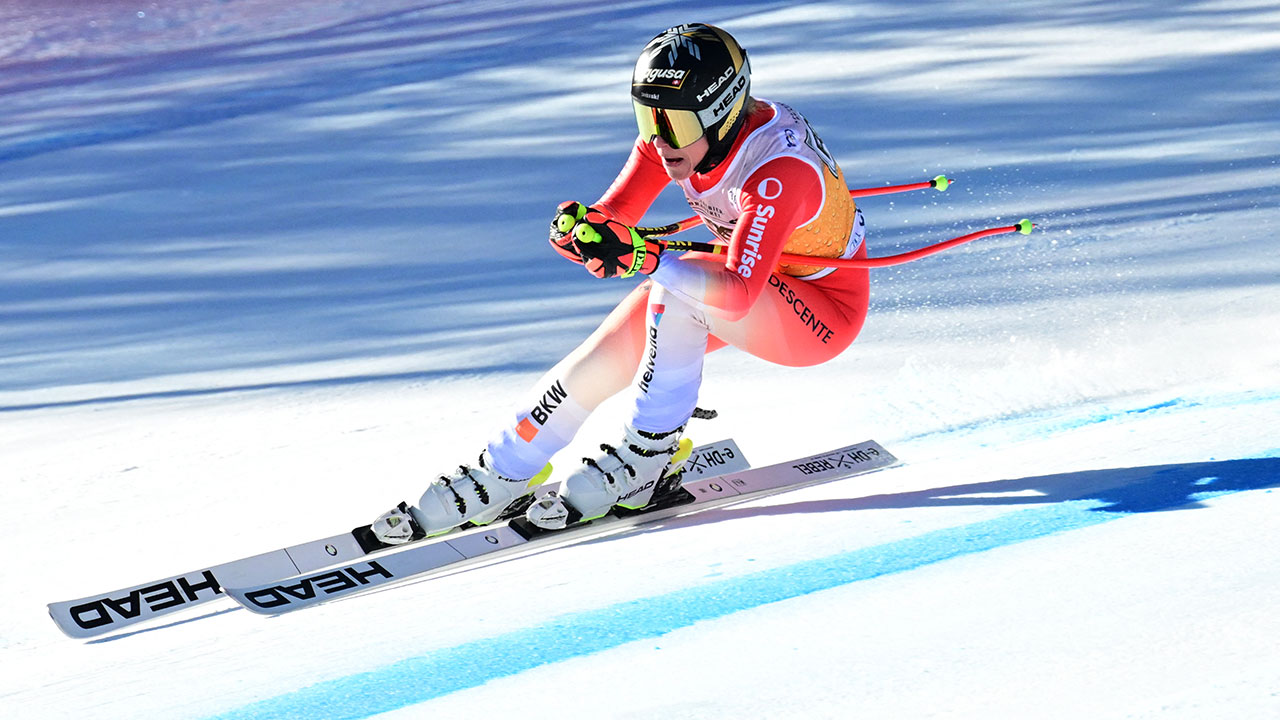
1024,226
942,182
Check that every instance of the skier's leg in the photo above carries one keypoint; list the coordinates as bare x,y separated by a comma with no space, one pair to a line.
559,403
670,368
800,323
515,459
794,323
665,385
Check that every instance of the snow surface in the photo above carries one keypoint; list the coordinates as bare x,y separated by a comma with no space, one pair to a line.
265,267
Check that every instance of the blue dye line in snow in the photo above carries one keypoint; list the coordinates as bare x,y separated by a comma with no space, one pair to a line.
441,672
1051,422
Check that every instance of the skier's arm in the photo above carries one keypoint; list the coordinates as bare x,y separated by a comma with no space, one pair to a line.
636,187
632,192
779,197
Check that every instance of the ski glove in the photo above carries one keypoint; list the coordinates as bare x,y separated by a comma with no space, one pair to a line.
610,249
561,235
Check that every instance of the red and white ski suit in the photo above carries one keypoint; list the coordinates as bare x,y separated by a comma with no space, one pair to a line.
777,191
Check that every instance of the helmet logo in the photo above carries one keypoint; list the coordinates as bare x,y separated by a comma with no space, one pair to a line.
728,73
726,107
667,77
675,39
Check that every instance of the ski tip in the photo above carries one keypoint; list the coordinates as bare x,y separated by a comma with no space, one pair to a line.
1025,226
942,182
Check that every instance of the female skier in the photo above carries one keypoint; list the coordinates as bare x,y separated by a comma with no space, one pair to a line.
759,177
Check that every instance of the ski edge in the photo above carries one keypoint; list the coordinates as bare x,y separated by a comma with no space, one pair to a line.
101,614
451,553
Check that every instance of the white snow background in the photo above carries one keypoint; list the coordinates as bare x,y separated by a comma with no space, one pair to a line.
267,267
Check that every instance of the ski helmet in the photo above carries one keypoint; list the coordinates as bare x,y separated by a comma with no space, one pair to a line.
692,80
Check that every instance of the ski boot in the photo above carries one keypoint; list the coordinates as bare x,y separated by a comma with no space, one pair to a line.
630,477
471,495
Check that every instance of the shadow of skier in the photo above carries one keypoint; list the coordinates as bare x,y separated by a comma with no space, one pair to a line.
1152,488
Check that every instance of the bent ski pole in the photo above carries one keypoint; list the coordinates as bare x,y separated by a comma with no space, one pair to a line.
940,182
1023,226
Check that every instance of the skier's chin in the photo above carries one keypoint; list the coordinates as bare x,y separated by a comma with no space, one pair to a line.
677,168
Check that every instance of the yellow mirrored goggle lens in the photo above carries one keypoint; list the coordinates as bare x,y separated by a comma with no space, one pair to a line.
678,127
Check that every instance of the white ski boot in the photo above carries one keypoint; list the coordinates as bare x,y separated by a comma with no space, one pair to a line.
625,476
477,495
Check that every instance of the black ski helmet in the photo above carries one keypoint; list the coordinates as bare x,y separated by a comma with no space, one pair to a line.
692,80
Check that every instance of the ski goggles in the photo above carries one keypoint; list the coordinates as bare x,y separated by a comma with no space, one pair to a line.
680,128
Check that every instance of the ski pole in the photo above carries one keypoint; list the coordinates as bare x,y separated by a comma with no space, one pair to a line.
940,182
1023,226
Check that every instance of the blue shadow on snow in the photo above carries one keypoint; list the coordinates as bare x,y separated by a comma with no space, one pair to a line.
1069,501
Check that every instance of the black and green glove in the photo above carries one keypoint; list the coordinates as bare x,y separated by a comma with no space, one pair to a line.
610,249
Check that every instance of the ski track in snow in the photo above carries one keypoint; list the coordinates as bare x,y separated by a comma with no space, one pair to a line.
250,252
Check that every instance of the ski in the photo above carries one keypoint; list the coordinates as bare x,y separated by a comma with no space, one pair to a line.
104,613
452,552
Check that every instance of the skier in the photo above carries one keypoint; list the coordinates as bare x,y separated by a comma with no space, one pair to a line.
758,177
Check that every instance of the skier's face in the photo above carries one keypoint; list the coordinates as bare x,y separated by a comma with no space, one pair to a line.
680,162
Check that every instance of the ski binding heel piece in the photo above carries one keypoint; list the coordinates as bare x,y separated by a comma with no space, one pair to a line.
551,512
394,527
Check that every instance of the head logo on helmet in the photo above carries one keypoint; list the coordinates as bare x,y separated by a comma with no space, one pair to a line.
692,80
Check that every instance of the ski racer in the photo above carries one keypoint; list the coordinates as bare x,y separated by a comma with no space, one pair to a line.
759,177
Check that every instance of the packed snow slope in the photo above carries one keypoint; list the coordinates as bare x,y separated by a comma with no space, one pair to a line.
267,267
